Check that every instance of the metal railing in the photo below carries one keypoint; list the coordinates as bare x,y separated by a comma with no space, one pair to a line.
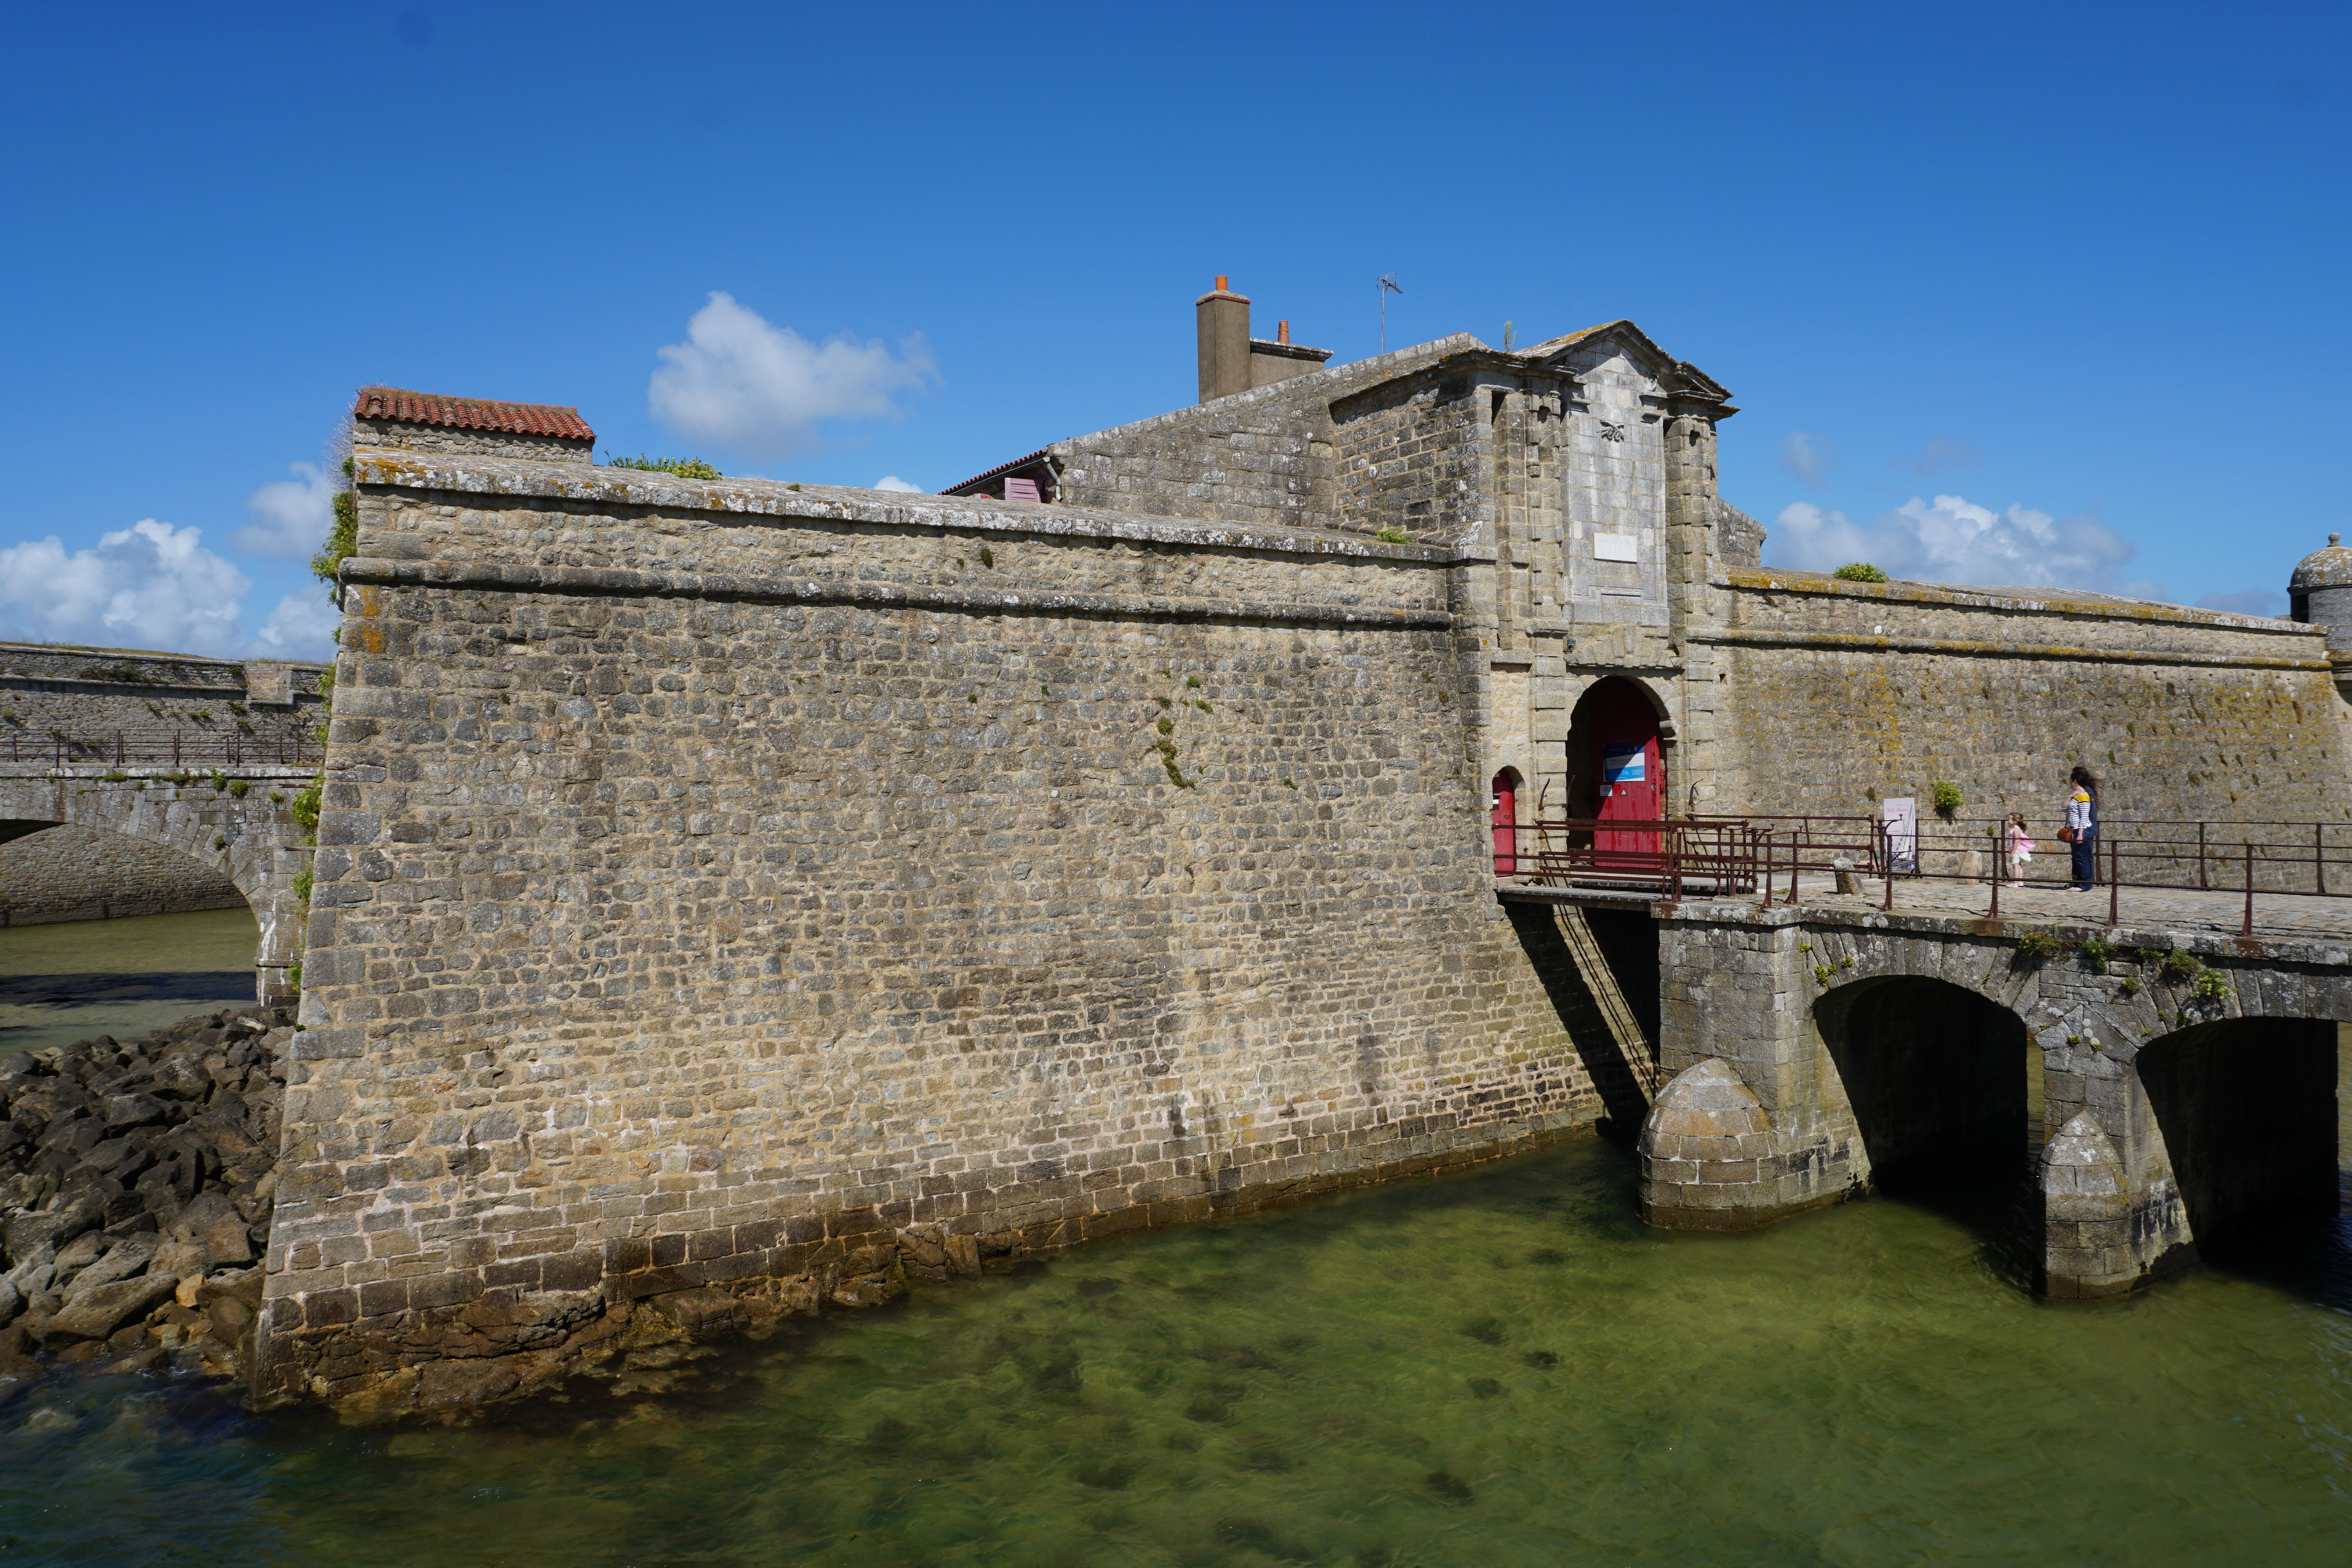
1724,856
175,747
1768,857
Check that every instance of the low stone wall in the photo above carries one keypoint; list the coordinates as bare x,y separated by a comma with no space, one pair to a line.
86,873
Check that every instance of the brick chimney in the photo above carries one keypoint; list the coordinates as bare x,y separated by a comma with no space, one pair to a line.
1223,318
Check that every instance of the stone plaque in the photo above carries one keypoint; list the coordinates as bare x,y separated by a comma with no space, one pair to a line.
269,682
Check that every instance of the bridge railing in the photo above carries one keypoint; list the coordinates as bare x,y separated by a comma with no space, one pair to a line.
160,748
1716,856
1769,857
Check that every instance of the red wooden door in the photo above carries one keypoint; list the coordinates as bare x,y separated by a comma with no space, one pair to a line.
1506,823
1627,767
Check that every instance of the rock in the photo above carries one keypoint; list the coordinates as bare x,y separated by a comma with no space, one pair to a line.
702,1311
182,1259
134,1111
182,1080
124,1259
922,1249
964,1254
78,1254
210,1220
444,1384
22,1235
11,1302
94,1314
230,1317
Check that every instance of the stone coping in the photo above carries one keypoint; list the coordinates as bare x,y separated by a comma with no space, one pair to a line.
1972,647
2054,601
2334,953
624,583
569,482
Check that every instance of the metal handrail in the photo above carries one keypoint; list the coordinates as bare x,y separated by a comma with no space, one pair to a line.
1770,855
178,747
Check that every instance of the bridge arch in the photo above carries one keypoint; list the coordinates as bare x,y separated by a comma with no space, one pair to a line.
2246,1116
1934,1079
238,823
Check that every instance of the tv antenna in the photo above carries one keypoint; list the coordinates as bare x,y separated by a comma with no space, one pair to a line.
1388,286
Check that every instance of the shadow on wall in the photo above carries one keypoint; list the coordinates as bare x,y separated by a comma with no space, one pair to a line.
1600,967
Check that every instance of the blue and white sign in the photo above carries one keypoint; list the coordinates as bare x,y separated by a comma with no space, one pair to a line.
1625,764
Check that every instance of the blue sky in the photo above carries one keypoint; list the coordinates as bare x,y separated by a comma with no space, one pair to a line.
2002,291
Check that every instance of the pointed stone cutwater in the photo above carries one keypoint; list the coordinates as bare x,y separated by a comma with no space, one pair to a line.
2087,1210
1709,1161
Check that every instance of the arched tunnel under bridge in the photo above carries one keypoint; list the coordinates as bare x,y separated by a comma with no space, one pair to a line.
2165,1095
238,823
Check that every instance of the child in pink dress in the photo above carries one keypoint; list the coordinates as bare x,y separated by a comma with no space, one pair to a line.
2018,848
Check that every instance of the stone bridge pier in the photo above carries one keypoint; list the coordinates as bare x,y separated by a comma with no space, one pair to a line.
2174,1091
235,820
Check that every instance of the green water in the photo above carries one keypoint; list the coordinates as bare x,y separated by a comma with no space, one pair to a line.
1496,1369
77,978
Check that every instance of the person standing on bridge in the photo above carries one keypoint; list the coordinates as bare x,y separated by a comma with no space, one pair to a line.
2082,830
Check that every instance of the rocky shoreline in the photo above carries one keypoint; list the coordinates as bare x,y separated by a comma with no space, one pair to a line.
136,1182
135,1192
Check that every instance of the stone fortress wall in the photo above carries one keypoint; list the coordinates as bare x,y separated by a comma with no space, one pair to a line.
715,877
718,877
1834,695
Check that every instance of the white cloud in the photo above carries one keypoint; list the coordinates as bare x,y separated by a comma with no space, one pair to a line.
2250,602
756,390
1942,452
892,482
149,585
291,517
1954,541
301,627
1809,457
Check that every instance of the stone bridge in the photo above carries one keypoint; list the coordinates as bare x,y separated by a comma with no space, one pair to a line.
201,756
2173,1082
234,818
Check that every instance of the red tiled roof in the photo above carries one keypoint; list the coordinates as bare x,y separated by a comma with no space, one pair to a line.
471,414
993,473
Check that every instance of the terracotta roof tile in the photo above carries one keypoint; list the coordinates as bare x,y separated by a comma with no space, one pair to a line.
471,414
983,478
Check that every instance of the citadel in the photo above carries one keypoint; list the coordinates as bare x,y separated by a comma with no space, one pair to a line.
731,896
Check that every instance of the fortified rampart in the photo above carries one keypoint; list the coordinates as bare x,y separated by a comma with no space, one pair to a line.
1831,694
725,882
715,877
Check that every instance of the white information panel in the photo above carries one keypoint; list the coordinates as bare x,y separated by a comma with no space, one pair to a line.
1902,819
1616,547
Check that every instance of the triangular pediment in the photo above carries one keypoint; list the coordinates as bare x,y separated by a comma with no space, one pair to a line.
1672,375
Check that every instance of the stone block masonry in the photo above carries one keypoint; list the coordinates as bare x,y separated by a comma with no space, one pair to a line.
716,878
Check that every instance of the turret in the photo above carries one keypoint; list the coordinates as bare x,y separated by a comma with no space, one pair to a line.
2320,592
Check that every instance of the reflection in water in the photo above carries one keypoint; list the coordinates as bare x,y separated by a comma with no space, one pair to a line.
1499,1367
69,981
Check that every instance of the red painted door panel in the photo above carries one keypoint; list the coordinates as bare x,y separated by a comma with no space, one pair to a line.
1627,766
1506,824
